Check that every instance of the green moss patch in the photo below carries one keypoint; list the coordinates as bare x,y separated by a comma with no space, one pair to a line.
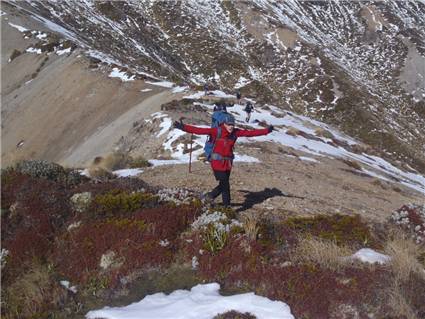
343,229
116,201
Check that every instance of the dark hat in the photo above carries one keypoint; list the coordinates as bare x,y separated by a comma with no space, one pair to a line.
229,119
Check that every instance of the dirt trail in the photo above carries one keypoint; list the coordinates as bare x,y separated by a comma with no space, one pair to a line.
280,186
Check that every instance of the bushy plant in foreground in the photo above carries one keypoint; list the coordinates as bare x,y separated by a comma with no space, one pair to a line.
214,227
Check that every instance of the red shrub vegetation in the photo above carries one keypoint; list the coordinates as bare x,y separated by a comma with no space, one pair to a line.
40,210
144,240
169,221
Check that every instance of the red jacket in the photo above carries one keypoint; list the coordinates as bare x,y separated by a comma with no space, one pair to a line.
224,145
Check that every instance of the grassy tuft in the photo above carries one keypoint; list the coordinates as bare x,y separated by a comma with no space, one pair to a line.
325,253
405,256
250,226
33,294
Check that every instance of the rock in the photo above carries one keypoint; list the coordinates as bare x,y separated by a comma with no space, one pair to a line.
81,201
109,260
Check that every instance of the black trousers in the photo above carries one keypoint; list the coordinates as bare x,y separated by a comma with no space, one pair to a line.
223,187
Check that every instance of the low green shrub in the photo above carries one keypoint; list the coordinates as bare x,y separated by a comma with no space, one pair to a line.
116,201
139,161
342,229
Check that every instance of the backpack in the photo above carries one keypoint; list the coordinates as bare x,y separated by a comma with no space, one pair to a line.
248,107
216,120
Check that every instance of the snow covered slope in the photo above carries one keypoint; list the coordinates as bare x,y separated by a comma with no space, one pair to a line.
356,64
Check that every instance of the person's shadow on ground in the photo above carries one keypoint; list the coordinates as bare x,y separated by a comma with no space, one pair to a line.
253,198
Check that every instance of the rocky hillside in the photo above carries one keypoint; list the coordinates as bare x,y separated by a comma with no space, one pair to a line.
357,65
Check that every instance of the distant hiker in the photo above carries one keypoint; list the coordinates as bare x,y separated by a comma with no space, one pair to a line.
248,109
205,89
224,137
222,106
238,95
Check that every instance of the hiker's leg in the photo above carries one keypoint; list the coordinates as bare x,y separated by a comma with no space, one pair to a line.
215,192
225,187
219,176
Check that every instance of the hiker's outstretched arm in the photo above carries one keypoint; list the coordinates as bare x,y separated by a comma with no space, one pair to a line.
257,132
197,130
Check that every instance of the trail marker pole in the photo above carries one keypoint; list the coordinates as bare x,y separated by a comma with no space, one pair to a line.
190,154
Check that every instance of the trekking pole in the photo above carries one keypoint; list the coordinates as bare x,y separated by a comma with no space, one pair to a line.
190,154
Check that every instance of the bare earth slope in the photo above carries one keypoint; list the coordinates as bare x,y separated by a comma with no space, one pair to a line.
50,113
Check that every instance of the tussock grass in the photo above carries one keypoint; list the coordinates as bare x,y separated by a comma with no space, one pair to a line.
399,305
326,253
99,172
102,166
323,133
293,131
404,256
114,161
30,294
352,164
250,226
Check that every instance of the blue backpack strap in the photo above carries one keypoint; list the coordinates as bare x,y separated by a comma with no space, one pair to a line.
216,138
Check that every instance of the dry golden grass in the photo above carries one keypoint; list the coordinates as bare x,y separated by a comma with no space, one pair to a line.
250,226
352,164
326,253
293,131
102,166
404,256
114,161
323,133
399,305
99,172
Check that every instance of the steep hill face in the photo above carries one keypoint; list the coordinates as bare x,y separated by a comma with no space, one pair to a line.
358,65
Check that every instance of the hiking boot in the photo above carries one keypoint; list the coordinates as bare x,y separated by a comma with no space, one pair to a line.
207,198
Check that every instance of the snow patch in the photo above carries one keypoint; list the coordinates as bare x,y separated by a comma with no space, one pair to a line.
368,255
165,84
128,172
33,50
60,52
201,302
116,73
20,29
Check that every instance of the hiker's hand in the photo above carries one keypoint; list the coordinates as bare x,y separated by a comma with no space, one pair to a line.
270,128
179,125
